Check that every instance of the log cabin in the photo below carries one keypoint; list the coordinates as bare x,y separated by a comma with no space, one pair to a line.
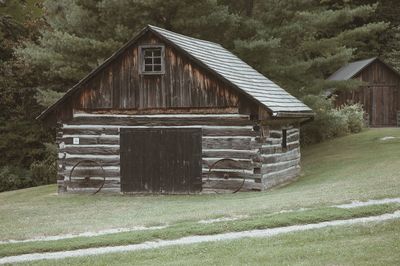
379,95
168,113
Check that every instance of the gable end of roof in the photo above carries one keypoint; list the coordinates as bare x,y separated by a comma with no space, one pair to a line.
222,63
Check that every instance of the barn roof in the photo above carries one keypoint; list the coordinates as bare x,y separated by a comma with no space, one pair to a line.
225,65
350,70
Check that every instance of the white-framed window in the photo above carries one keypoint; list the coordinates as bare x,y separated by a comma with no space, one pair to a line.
151,59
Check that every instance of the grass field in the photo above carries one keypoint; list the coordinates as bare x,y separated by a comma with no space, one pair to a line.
371,244
184,229
356,167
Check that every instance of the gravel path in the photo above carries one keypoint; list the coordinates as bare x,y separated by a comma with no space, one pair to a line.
356,204
84,234
194,239
222,219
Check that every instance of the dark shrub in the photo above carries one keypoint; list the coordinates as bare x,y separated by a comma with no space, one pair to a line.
12,178
45,171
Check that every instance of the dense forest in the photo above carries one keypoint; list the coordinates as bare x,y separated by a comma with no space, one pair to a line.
47,46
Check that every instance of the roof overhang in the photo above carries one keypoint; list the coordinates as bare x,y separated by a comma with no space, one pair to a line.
293,114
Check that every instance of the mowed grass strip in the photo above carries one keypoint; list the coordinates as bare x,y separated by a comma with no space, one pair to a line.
194,228
367,244
355,167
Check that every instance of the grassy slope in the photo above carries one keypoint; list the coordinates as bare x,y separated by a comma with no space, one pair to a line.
371,244
193,228
356,167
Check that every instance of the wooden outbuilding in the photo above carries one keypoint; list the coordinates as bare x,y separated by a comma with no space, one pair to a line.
168,113
379,95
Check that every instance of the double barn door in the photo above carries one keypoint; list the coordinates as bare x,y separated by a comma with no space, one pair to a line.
161,160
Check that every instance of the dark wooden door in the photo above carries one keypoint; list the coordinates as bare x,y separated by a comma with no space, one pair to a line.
161,160
383,106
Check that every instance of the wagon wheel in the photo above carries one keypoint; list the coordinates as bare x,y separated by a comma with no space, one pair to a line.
86,179
226,176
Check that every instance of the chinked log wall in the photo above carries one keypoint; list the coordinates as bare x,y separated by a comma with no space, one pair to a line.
280,165
262,161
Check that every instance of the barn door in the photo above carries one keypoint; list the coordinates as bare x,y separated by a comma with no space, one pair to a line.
383,106
160,160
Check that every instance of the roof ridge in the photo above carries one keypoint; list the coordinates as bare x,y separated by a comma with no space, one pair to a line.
367,59
185,36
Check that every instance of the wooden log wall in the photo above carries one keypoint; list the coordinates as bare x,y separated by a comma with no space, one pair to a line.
280,165
398,118
224,136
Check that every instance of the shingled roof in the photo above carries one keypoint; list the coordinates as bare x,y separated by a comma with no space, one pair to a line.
350,70
226,66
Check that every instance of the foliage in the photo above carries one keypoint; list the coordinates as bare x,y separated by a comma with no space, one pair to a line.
46,46
387,45
354,115
45,171
21,137
303,42
42,172
47,97
82,34
12,178
17,18
330,122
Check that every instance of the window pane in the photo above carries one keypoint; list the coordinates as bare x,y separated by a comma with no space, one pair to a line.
157,60
148,61
157,67
157,52
147,68
147,52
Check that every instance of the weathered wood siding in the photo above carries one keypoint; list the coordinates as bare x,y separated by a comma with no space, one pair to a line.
380,98
119,86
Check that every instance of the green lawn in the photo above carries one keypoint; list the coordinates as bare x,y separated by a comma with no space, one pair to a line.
183,229
369,244
356,167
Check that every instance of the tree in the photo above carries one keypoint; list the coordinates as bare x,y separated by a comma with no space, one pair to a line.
21,137
389,40
83,33
296,43
303,41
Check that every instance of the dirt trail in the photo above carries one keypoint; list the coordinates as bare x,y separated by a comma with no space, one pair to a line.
84,234
194,239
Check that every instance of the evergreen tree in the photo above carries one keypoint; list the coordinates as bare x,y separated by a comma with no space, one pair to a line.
303,41
389,40
296,43
21,137
83,33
